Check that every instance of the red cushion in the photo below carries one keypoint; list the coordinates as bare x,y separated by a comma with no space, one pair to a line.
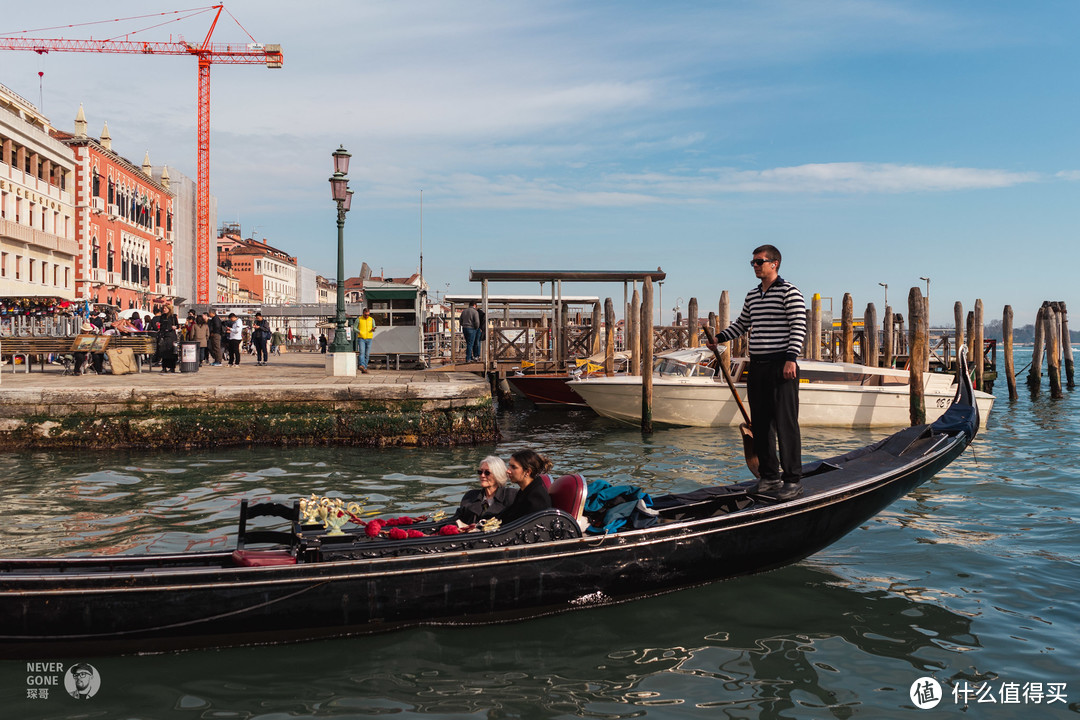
262,558
568,494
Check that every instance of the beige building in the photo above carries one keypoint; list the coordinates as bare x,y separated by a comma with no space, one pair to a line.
268,274
38,248
228,287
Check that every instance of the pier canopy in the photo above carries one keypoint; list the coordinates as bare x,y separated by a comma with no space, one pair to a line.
622,276
560,332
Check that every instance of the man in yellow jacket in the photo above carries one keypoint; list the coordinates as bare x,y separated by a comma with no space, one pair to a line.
365,330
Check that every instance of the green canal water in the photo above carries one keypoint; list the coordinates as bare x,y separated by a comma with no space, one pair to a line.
972,580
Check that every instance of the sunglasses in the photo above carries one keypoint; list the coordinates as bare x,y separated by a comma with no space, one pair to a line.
758,262
485,473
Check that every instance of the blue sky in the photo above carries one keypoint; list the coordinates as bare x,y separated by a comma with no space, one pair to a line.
872,142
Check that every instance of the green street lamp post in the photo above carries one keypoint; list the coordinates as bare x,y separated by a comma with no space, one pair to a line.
342,195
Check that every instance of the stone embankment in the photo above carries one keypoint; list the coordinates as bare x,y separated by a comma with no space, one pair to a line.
291,401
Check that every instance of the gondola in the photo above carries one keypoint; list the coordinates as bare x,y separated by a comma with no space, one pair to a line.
312,585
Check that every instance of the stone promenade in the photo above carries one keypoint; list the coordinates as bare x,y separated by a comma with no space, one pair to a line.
291,401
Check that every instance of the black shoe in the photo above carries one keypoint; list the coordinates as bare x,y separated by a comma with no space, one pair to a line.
766,486
789,491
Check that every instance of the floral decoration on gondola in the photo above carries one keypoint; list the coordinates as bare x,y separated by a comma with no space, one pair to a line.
334,514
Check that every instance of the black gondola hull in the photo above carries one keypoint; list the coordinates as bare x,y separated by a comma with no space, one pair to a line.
88,606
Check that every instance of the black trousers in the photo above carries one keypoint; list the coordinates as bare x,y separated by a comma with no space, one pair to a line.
234,352
774,412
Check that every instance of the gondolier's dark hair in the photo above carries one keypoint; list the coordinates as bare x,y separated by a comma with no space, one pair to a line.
533,462
771,250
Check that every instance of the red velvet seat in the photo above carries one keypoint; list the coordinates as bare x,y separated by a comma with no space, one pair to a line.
568,494
262,558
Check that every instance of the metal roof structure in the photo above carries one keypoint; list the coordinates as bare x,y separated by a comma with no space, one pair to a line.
461,299
566,275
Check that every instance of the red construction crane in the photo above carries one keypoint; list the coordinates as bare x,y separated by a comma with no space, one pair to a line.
207,54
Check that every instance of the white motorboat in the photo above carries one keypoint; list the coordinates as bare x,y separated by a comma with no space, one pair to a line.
686,391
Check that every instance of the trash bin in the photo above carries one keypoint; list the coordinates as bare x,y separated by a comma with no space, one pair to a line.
189,357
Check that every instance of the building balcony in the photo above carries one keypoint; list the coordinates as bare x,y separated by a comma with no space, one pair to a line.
21,233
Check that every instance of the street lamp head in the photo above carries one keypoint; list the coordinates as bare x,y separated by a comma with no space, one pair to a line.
348,200
341,160
339,185
884,285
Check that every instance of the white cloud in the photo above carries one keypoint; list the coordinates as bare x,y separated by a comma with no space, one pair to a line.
640,189
856,177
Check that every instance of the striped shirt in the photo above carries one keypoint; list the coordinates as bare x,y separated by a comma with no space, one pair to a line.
776,321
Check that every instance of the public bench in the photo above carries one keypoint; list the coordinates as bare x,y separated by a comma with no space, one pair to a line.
42,347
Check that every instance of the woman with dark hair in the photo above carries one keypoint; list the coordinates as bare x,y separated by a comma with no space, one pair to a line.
525,468
201,335
167,339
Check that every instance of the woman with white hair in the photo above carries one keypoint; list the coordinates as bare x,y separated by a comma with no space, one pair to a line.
491,497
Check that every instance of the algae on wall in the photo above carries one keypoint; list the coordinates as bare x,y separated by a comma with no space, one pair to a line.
358,422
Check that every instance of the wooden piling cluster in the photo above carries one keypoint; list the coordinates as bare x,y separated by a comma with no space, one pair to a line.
1051,334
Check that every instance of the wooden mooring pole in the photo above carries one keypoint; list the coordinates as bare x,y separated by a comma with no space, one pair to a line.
634,321
958,317
847,328
971,340
1007,337
723,316
887,341
870,338
609,337
1034,378
1053,350
1066,345
980,351
919,354
692,323
646,354
815,327
596,339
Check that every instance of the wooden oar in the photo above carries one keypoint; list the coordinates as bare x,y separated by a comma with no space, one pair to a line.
746,429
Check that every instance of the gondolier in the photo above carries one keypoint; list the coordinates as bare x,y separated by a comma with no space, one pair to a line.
774,314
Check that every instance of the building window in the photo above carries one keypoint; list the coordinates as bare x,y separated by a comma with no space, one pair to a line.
95,250
3,264
18,267
31,275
